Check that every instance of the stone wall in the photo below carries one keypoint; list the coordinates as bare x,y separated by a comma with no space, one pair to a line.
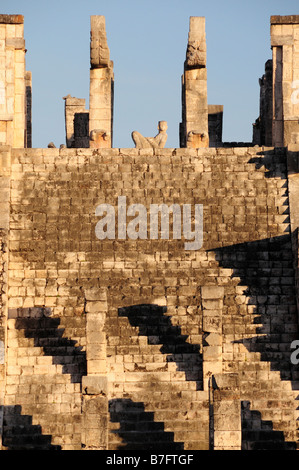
114,343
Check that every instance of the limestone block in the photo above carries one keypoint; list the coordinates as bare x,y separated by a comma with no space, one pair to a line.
10,30
15,43
95,385
213,353
95,293
227,440
212,292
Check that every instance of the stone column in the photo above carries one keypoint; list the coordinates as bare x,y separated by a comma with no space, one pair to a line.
212,304
12,81
73,106
285,47
194,129
94,385
226,412
101,93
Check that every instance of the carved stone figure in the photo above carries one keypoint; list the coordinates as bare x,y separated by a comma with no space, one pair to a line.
158,141
196,54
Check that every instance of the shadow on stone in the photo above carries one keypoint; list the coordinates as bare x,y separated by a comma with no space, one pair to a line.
265,269
36,324
138,430
20,434
258,434
157,327
274,162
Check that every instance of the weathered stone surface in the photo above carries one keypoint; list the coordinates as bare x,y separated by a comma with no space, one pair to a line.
99,51
11,19
194,128
101,93
133,343
284,43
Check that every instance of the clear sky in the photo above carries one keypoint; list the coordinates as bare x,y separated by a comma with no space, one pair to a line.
147,42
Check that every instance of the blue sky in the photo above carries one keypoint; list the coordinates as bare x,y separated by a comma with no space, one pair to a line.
147,41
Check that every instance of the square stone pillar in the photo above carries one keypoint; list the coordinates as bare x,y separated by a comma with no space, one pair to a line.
13,122
73,108
212,304
101,95
285,50
94,385
194,129
226,412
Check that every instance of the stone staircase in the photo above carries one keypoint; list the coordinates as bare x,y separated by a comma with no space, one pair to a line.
165,420
156,400
43,396
261,352
259,319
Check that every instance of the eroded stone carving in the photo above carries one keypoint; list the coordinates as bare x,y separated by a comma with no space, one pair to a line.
101,92
196,54
99,138
197,139
194,128
158,141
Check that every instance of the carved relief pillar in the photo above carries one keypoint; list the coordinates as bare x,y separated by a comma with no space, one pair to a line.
101,87
94,385
194,129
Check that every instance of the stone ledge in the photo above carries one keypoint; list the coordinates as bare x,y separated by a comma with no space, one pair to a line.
136,153
290,19
11,19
